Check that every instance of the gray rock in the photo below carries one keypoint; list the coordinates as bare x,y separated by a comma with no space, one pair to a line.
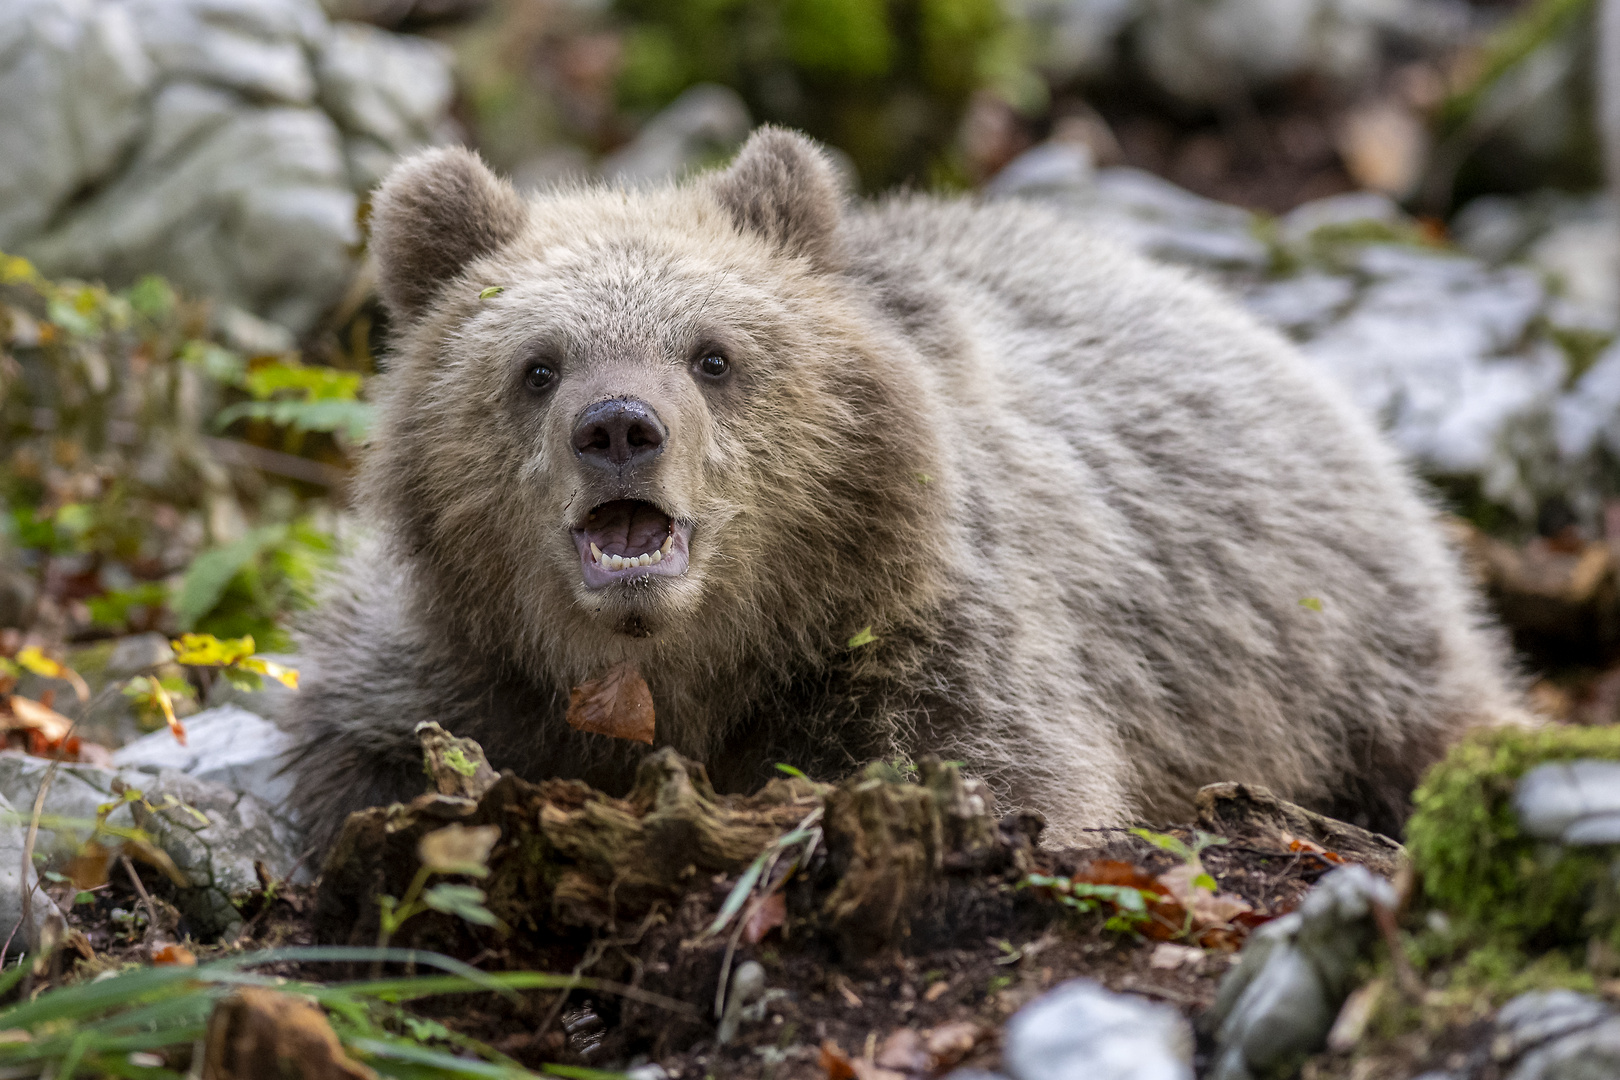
1277,1006
1082,1031
1573,802
222,142
13,842
704,123
1532,1019
1592,1054
214,834
138,652
1045,169
226,745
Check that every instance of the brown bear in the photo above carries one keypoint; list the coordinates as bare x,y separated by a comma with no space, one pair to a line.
1112,539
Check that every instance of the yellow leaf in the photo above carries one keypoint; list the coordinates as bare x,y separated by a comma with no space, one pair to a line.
14,270
148,691
286,676
865,637
493,290
36,661
1311,602
206,650
456,849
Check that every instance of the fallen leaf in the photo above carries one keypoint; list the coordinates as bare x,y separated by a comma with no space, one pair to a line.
36,661
903,1051
260,1034
1309,847
835,1063
937,991
29,713
1167,956
1209,908
767,915
89,867
172,955
950,1043
456,849
618,704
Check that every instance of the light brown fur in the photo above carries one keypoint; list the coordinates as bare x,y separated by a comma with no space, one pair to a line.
1077,498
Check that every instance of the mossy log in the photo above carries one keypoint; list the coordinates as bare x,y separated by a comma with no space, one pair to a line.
573,861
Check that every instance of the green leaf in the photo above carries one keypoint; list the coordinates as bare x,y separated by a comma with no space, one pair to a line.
791,771
1164,842
493,290
1204,881
864,637
1312,602
211,572
464,901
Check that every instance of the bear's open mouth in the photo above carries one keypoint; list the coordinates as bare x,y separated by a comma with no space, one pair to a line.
628,538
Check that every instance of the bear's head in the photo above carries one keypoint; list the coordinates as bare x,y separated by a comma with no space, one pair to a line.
670,425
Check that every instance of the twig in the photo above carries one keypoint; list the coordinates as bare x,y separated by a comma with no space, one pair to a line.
146,898
1405,977
597,950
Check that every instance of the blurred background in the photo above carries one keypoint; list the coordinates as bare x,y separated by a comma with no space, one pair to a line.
1414,190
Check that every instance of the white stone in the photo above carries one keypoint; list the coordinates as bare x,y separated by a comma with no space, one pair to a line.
1082,1031
227,745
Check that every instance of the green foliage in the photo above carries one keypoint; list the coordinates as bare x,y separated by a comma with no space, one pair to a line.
1475,865
108,475
886,81
1128,904
245,587
91,1028
303,398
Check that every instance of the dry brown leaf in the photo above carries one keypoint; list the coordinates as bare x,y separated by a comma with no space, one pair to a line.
89,867
172,955
28,713
767,915
950,1043
618,704
260,1034
1208,908
835,1063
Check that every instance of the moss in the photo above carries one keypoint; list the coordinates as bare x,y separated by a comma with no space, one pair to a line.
1499,885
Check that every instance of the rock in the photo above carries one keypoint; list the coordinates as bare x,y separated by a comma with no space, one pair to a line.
1482,363
214,835
1081,1031
1048,168
1557,1035
1575,802
138,652
1532,1019
226,745
13,840
704,123
219,142
388,93
1277,1006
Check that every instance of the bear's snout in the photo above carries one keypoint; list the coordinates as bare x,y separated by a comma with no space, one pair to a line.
618,434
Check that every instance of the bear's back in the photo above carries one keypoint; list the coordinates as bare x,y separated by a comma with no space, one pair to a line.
1176,512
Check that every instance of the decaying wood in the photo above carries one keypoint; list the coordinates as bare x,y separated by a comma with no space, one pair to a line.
572,860
1251,814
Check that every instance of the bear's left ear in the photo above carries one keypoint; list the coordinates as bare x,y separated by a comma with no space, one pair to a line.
782,186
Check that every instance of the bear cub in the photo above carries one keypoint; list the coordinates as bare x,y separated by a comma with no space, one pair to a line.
1096,532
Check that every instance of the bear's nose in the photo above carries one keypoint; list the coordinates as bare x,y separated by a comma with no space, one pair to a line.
618,433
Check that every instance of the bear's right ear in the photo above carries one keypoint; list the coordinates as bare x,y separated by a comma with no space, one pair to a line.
434,214
783,187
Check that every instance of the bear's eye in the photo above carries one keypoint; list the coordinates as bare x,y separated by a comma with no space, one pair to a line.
539,377
714,365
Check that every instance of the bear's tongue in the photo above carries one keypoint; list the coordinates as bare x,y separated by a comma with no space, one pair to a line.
627,527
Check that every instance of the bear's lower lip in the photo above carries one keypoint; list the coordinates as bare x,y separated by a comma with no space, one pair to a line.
628,539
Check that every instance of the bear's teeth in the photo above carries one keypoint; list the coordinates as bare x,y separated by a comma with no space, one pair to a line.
657,557
669,542
596,553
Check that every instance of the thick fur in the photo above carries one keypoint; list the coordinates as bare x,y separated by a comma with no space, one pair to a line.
1078,498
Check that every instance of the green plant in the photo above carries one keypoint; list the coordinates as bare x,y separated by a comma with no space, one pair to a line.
453,849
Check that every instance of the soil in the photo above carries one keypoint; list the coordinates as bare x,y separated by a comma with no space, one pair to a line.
986,948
